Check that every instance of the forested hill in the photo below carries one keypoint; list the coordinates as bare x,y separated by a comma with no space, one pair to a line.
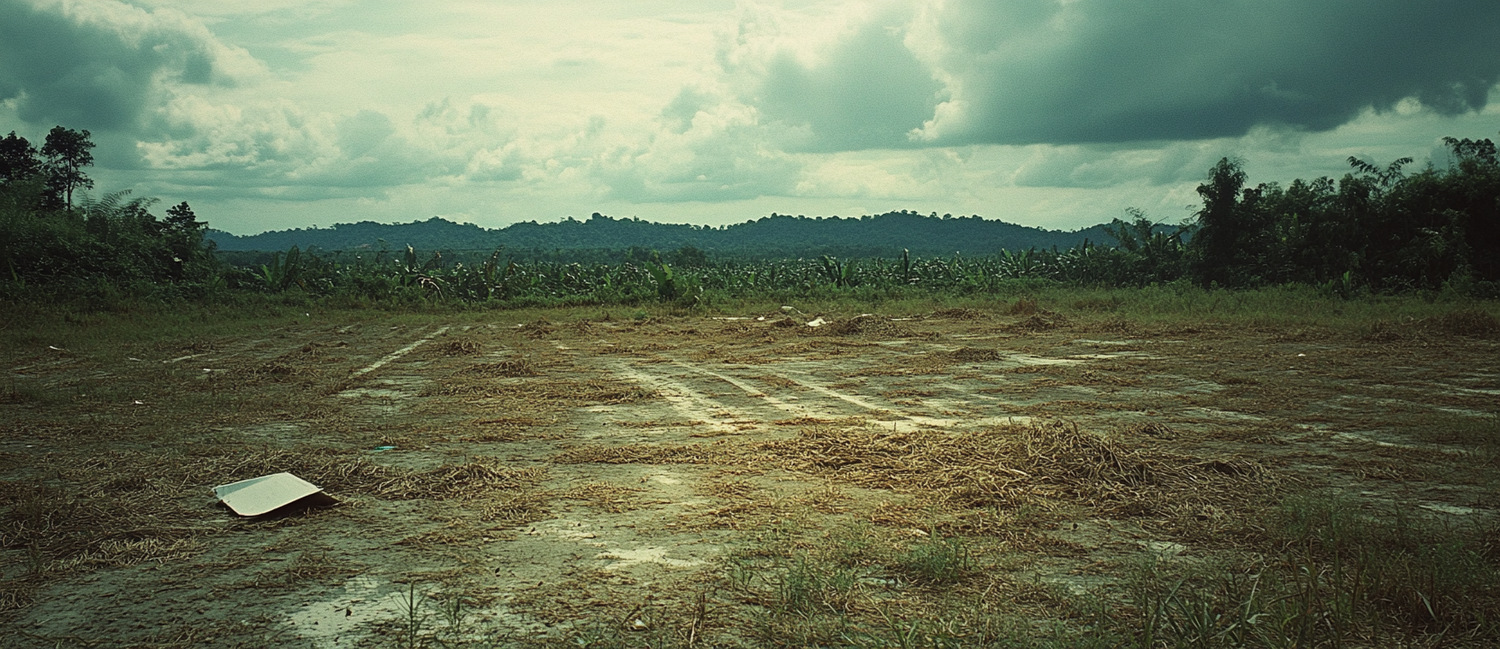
773,236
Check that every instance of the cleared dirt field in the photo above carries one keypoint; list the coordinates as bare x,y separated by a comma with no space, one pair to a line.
583,474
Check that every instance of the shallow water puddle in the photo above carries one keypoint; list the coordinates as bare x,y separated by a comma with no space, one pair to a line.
339,621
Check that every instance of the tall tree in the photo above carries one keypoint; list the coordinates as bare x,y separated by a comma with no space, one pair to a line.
180,217
67,153
18,159
1221,225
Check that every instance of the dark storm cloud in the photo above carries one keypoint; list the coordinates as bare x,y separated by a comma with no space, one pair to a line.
1108,71
94,65
1093,71
869,92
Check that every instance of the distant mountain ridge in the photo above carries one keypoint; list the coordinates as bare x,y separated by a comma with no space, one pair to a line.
772,236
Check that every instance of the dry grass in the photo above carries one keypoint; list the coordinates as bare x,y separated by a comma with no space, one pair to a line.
605,496
541,395
511,367
459,347
1040,466
1155,455
867,325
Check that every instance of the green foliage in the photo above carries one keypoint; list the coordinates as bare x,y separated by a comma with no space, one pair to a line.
67,152
1378,228
1347,576
937,561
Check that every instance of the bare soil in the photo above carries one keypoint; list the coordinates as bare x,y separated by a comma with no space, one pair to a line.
549,474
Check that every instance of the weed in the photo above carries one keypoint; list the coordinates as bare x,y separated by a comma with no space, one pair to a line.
937,561
413,605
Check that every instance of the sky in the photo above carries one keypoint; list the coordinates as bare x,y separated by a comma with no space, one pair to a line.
1061,114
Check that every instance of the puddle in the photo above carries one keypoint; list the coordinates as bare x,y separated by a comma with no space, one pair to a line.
1164,548
625,558
1215,413
1027,359
1444,508
1078,585
373,393
335,622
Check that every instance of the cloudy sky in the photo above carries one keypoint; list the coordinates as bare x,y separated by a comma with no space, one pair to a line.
1058,113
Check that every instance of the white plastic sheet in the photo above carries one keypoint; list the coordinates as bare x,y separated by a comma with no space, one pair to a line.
269,493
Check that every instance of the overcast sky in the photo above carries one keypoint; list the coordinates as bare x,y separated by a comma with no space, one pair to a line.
1056,113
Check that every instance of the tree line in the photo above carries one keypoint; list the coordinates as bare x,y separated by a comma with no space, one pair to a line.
770,237
1380,229
57,242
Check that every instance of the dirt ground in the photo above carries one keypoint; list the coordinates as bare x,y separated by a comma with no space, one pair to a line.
548,474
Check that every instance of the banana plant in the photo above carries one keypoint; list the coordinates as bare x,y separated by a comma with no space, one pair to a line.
281,273
841,273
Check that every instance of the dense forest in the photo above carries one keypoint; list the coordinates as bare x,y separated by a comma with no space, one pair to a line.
1379,228
774,236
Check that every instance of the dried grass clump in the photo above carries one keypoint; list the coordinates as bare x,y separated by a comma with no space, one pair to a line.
1041,464
975,355
503,429
1383,332
647,454
1468,322
511,367
476,479
605,496
541,395
539,328
867,325
1040,321
276,371
459,347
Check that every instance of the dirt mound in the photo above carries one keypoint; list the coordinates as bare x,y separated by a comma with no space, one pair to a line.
868,325
975,355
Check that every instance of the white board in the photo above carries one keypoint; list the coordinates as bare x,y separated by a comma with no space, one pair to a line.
268,493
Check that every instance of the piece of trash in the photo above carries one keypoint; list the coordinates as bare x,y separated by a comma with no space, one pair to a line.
817,323
269,493
132,358
378,449
138,402
638,624
56,348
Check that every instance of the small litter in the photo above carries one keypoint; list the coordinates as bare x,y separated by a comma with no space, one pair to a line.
378,449
269,493
817,322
